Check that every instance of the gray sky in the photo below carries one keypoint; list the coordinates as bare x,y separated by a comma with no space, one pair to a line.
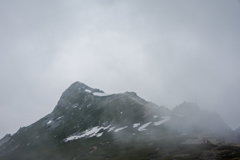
165,51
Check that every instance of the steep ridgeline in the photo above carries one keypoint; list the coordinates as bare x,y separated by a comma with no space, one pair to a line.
90,124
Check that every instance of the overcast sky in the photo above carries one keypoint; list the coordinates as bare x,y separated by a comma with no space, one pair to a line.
166,51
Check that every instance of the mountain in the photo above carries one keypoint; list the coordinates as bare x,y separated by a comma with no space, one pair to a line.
89,124
237,133
5,139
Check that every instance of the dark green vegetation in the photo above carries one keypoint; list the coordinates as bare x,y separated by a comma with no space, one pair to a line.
79,111
140,147
229,152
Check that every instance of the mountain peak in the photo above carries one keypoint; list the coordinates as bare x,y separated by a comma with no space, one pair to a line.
79,85
89,123
187,108
74,92
82,87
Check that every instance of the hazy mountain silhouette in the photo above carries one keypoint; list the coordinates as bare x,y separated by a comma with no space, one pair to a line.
87,123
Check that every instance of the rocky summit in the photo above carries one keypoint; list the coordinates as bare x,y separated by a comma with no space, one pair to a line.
88,124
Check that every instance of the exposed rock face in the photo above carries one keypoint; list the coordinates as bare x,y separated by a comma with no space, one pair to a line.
6,138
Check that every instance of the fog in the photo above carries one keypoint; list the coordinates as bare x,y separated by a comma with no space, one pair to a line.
167,52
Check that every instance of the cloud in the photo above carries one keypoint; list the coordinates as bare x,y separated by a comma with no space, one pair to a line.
167,52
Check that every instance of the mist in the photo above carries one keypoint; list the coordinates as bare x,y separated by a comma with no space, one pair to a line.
166,52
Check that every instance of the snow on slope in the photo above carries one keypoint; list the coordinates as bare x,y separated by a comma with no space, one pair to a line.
143,127
165,119
101,94
88,133
136,125
119,129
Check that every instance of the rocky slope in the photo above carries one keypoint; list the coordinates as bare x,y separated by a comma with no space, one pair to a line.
90,124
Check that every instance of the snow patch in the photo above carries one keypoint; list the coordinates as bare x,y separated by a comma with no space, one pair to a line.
136,125
111,129
87,90
89,132
75,105
50,121
101,94
59,117
165,119
155,116
119,129
99,134
143,127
